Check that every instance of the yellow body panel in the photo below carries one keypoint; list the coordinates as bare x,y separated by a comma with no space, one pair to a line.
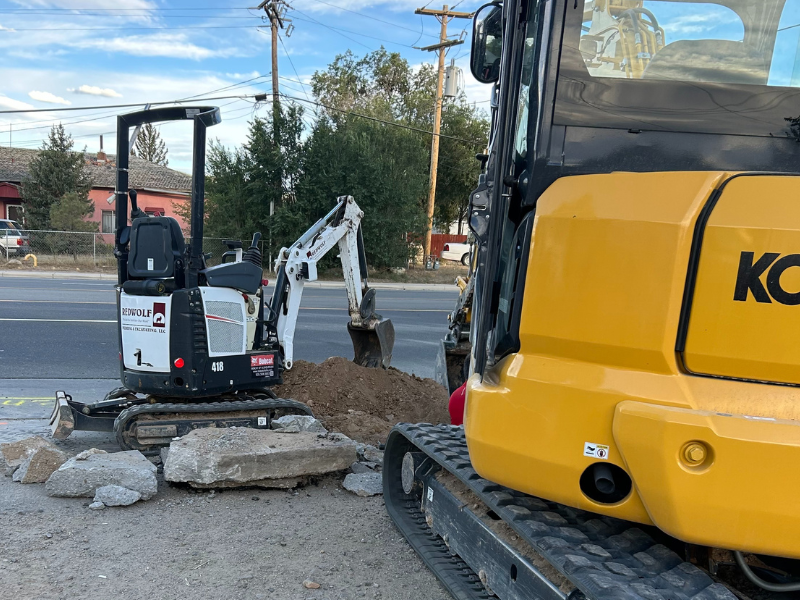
746,338
741,497
600,318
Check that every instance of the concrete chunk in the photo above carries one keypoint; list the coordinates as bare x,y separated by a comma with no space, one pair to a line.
364,484
81,478
114,495
40,465
246,456
15,453
297,423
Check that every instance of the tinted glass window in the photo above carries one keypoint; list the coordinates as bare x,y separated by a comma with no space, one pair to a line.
725,66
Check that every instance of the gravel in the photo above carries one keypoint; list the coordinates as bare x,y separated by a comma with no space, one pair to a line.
193,546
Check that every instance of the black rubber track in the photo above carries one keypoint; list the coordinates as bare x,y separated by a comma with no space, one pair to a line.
605,558
127,417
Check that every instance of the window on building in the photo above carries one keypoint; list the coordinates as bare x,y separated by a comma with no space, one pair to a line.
108,221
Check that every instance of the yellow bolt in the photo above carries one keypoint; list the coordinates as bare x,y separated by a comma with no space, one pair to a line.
695,453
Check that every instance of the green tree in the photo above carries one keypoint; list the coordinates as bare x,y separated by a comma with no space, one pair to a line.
68,213
55,172
242,183
150,146
383,85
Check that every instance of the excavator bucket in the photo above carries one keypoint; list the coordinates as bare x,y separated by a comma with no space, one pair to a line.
373,346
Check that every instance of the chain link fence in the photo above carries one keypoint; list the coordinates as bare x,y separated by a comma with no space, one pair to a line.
86,250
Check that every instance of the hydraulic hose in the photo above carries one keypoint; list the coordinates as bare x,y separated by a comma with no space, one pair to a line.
765,585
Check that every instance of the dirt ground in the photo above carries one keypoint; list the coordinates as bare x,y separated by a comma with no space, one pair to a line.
364,403
244,543
187,545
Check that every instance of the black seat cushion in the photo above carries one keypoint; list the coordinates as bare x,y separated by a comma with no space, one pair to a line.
156,245
715,61
243,276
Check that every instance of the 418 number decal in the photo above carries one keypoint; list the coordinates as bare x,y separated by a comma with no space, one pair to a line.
217,367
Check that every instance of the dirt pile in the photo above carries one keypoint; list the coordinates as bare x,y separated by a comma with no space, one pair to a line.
364,403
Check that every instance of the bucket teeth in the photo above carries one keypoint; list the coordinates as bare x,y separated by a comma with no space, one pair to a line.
373,345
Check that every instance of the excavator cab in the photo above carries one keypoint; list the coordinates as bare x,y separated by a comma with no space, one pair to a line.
632,409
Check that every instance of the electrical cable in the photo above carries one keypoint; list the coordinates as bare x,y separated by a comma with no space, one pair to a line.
765,585
384,122
395,25
104,106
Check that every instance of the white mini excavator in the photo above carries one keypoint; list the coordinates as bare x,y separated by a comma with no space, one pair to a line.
202,346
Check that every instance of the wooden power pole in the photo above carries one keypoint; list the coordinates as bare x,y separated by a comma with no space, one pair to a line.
443,16
275,11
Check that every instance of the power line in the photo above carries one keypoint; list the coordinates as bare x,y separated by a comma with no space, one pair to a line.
332,29
102,107
15,29
394,25
153,9
309,20
286,52
384,122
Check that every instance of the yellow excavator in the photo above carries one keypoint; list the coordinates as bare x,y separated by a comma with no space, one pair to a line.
632,420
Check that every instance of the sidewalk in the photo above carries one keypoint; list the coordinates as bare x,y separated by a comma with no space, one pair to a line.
416,287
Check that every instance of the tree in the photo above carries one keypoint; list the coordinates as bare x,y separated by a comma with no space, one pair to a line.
150,146
69,212
55,172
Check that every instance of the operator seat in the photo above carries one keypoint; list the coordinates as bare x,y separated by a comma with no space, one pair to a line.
156,256
714,61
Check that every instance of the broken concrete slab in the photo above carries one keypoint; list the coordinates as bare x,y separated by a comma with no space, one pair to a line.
15,453
287,483
298,423
360,467
364,484
81,478
368,453
90,452
244,456
40,464
115,495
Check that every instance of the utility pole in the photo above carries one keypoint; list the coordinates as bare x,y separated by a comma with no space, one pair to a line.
443,16
276,13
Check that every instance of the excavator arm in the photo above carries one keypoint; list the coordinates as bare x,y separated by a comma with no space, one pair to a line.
372,336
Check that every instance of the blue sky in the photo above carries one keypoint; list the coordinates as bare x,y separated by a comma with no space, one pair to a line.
74,53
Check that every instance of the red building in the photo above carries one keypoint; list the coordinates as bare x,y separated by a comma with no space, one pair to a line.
161,190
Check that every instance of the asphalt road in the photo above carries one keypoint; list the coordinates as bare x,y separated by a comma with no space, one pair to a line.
66,329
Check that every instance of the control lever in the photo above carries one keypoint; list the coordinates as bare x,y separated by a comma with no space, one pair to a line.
136,212
256,239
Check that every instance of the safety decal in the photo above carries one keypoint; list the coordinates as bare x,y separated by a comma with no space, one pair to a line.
262,365
595,451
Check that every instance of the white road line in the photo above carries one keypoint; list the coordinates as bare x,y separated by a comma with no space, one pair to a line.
62,320
58,301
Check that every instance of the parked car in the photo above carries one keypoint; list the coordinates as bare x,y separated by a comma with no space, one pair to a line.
456,251
13,240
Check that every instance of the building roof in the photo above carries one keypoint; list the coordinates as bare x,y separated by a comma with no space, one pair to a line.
15,162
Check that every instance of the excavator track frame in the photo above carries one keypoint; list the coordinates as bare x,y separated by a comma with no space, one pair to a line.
231,413
602,557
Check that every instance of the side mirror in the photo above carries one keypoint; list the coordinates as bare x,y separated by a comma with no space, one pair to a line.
487,43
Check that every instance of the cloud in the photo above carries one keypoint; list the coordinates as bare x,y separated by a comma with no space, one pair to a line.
161,44
12,104
6,28
48,97
93,90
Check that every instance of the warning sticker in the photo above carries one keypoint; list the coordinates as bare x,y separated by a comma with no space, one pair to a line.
595,451
262,365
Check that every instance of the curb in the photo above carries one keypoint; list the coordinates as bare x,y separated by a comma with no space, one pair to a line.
57,275
415,287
